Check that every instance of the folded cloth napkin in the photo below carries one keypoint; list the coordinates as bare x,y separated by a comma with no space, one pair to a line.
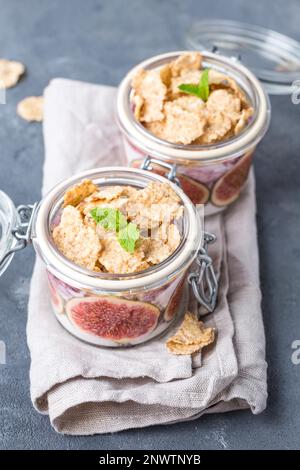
88,390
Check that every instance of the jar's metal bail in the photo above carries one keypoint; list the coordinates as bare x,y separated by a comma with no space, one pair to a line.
22,233
203,282
171,167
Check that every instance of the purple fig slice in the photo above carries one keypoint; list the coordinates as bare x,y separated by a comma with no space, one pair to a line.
196,191
113,318
227,189
175,300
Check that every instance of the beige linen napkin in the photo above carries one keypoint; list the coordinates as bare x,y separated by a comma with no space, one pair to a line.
87,390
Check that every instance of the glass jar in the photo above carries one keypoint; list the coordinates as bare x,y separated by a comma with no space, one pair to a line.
211,174
109,309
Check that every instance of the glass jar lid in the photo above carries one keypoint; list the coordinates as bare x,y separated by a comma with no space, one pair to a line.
273,57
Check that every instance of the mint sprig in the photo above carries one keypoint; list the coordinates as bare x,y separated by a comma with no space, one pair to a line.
113,220
201,90
110,218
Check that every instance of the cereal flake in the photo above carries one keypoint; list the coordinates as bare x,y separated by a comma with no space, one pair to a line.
116,260
191,337
77,193
182,126
187,61
218,125
225,102
148,85
31,108
10,73
76,241
243,120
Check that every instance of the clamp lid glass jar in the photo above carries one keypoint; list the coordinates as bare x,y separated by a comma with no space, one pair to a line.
273,57
111,309
206,171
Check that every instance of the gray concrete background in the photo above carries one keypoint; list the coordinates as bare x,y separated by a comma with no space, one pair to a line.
98,41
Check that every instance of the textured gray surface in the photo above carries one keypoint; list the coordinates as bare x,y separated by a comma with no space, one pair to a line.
99,41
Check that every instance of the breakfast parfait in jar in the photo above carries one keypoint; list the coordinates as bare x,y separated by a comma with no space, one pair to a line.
117,244
199,116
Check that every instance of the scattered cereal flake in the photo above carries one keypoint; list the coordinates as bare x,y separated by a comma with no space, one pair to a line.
78,242
191,337
31,108
80,191
147,84
187,61
243,120
10,73
116,260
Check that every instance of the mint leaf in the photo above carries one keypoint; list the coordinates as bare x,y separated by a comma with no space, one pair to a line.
128,236
113,220
190,89
110,218
204,85
201,90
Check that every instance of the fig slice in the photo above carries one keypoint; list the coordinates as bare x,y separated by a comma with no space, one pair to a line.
174,302
113,318
227,189
196,191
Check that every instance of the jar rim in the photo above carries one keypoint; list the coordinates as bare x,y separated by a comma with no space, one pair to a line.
231,148
80,277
